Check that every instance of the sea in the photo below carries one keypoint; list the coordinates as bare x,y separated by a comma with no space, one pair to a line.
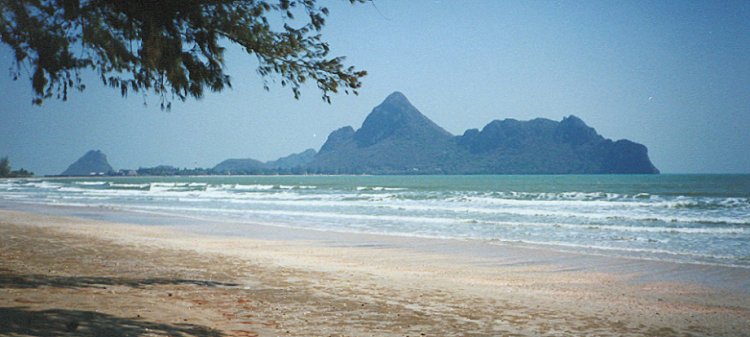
699,219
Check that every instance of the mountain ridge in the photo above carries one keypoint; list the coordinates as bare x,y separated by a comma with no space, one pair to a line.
396,138
253,166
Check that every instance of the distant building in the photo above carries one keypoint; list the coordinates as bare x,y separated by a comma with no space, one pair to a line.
128,173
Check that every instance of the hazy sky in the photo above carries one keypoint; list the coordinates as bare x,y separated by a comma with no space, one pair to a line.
673,75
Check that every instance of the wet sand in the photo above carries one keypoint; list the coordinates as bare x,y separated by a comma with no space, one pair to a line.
65,276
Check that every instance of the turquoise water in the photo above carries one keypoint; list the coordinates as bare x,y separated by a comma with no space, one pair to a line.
684,218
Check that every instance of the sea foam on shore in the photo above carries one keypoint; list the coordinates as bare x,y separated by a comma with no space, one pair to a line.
683,218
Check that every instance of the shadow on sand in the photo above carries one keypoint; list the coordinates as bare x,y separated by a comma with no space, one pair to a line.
36,281
62,322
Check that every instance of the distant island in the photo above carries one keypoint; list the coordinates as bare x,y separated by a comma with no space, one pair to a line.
396,138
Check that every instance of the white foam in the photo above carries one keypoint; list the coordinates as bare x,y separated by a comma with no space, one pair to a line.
91,183
620,228
634,221
143,186
43,184
654,251
253,187
379,188
301,214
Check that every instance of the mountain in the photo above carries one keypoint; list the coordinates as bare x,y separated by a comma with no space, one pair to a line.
292,160
92,163
394,138
543,146
252,166
240,166
398,139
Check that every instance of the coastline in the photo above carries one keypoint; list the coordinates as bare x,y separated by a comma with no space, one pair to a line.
344,284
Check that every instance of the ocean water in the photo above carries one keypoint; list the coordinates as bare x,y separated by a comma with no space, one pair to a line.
685,218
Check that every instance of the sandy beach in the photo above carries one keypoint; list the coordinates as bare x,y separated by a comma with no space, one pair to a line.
67,276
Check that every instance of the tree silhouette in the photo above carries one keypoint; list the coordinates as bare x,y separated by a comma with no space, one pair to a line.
4,167
173,48
6,172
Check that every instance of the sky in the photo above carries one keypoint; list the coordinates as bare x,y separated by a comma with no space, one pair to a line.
674,76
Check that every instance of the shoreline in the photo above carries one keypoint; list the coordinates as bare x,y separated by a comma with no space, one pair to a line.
494,253
438,286
610,216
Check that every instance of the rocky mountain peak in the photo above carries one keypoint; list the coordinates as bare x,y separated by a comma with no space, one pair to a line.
93,162
396,116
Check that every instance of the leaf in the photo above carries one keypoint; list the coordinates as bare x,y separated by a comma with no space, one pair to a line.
171,48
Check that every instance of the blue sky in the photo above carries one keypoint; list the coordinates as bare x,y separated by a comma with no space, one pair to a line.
674,76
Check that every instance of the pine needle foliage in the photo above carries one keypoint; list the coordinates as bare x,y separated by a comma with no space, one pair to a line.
173,48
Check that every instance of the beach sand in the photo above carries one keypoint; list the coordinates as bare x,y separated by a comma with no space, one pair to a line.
64,276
